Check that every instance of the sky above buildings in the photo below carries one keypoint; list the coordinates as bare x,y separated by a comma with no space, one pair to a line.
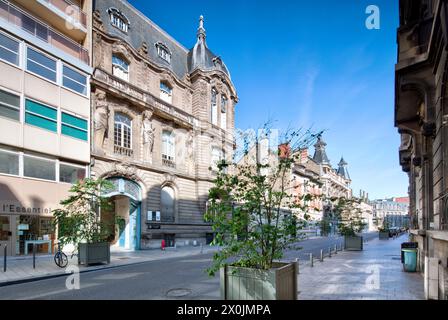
307,64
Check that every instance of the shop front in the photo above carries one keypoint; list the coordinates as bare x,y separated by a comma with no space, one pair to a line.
26,215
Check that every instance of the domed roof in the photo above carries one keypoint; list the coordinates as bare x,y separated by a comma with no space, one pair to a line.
200,57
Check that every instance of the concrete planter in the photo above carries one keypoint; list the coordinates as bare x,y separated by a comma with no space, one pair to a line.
278,283
353,243
90,253
384,235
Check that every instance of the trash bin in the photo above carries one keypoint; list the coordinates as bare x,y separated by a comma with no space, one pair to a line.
407,245
410,260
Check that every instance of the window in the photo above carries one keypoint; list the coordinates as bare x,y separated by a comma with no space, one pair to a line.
9,105
214,111
217,156
40,115
9,49
163,52
166,92
41,64
167,204
122,131
9,162
118,20
73,126
74,80
223,112
168,147
71,174
120,68
39,168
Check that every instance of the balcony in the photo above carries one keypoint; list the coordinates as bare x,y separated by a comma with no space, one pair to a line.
40,30
123,151
123,87
168,161
64,15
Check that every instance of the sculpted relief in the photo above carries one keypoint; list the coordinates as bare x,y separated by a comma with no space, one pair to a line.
101,118
148,136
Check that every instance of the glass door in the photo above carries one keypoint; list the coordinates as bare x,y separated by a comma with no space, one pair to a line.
5,235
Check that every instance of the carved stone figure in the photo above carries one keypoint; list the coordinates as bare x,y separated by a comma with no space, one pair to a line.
101,119
148,136
190,152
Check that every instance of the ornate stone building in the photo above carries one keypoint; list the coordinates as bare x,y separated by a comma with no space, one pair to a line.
162,115
421,116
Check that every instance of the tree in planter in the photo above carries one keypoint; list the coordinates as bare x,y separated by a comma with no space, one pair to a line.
77,220
250,207
349,215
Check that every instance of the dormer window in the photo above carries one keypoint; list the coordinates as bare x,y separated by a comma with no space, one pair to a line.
118,20
163,52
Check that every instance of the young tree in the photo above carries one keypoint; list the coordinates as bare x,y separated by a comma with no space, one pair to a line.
250,206
77,220
349,215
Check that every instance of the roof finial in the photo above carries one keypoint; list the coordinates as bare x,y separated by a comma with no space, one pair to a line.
201,30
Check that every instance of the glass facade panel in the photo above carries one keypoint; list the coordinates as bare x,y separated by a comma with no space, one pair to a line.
71,174
9,49
39,168
9,163
40,115
9,105
41,64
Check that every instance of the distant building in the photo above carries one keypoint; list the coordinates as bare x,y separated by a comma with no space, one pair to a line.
393,211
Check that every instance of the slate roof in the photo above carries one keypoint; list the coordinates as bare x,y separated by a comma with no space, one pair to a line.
342,169
142,29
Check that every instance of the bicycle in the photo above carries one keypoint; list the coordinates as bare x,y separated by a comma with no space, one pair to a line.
60,258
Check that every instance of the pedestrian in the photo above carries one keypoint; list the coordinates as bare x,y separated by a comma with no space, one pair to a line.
163,245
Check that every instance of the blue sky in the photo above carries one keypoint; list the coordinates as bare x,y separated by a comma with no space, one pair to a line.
307,64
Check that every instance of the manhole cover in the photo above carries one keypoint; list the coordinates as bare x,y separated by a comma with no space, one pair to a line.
178,292
124,258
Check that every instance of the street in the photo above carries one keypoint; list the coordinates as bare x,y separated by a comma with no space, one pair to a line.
169,278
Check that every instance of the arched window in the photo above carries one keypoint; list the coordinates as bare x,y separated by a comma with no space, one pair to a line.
122,131
214,107
167,204
118,20
120,68
166,92
224,112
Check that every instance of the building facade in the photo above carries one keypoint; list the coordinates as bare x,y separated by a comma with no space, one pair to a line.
421,115
162,117
45,54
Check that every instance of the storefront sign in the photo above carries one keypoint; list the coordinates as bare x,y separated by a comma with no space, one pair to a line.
18,208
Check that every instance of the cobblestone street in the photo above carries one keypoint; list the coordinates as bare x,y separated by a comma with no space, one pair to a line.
348,275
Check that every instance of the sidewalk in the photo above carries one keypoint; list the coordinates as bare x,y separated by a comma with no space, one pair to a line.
20,269
376,273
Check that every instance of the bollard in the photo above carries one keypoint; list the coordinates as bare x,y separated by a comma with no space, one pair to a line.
4,259
34,256
297,265
311,260
322,255
202,247
335,249
329,252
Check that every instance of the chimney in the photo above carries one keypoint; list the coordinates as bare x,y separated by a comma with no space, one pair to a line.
284,150
304,155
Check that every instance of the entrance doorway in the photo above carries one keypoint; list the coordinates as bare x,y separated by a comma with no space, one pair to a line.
124,216
5,235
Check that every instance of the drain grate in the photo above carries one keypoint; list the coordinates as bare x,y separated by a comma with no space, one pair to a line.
178,292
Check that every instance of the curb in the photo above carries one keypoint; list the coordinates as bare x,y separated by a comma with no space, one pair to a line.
106,267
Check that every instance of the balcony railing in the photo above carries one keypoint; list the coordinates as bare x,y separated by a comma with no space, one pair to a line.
123,151
137,93
26,22
168,161
70,9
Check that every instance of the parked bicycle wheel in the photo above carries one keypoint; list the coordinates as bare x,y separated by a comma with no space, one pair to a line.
61,260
